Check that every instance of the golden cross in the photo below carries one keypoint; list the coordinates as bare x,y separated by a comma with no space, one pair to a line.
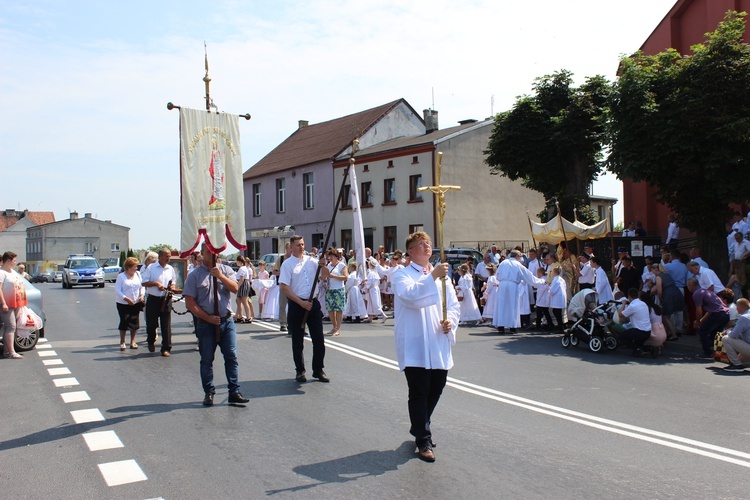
439,191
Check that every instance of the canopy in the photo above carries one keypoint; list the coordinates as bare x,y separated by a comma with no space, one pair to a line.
552,232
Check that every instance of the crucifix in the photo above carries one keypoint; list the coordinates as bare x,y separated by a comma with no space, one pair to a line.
439,191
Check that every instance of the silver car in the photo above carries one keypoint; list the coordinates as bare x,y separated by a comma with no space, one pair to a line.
34,296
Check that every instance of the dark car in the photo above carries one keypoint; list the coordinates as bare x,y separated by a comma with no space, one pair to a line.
34,296
44,277
457,255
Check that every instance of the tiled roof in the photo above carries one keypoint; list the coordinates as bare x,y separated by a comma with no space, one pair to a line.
37,218
322,141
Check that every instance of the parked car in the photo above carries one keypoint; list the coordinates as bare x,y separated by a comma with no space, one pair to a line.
34,296
269,259
44,277
457,255
111,268
82,270
57,277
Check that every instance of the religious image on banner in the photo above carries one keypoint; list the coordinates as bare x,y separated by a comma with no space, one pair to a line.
212,201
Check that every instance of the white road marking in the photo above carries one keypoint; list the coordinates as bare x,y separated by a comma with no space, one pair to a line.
65,382
42,341
43,346
102,440
75,397
51,362
58,371
46,354
641,433
123,472
85,416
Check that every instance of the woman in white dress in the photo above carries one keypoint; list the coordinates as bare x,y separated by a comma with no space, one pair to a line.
469,308
372,288
489,291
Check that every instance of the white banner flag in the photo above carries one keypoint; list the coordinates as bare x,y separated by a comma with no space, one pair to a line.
358,233
212,203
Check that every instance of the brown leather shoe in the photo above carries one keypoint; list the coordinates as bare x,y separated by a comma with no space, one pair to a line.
426,453
165,354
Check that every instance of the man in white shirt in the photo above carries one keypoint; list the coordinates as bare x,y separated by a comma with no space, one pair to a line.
673,232
423,338
706,277
741,252
639,321
296,281
494,255
601,282
159,281
739,225
630,231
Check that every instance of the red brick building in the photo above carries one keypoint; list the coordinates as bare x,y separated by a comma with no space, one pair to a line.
684,25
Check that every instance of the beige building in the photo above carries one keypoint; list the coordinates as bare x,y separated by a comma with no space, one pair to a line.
488,208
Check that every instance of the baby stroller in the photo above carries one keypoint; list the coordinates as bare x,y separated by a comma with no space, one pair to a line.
589,322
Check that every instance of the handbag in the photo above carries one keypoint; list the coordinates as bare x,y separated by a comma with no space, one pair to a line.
140,305
720,354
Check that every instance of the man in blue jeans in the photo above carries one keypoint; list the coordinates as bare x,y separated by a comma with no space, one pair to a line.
199,298
711,316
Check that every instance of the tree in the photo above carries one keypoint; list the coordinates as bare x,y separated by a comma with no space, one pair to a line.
156,248
552,141
682,124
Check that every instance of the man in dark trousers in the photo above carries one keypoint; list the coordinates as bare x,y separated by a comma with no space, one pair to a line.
159,281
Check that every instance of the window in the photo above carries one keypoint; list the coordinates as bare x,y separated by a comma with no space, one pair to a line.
317,240
366,168
346,241
414,160
390,163
346,201
415,182
280,195
256,200
390,238
389,192
366,194
253,249
413,228
89,248
309,200
114,247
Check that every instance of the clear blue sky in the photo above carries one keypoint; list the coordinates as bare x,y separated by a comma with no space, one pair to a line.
85,83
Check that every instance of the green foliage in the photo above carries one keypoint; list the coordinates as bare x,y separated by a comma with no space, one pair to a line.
619,227
156,248
122,257
552,141
682,123
132,253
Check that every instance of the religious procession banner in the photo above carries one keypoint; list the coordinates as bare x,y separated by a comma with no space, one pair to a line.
559,229
212,201
359,234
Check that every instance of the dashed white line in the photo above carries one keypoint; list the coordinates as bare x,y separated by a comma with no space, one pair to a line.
52,362
43,346
46,354
75,397
123,472
102,440
58,371
88,415
65,382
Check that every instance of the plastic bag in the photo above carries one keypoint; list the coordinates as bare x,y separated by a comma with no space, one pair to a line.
27,320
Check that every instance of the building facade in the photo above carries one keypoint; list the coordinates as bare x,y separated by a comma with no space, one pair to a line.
294,185
13,226
48,245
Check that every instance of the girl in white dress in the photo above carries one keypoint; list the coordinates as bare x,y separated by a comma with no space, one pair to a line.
542,301
372,287
263,293
469,308
489,292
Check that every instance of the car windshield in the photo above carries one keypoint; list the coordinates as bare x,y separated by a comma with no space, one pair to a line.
83,264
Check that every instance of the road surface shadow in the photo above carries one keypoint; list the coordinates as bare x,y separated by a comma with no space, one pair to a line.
352,468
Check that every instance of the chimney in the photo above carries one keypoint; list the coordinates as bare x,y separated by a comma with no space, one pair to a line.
87,215
303,123
430,120
73,215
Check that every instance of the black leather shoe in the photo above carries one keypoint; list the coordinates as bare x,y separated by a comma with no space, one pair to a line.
300,376
209,399
237,397
321,376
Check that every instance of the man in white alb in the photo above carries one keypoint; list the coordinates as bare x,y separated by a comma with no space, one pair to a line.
423,338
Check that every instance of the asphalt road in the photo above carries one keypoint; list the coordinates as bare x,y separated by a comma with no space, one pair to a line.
521,418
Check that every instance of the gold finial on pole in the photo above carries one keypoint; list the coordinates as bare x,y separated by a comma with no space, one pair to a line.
439,191
207,80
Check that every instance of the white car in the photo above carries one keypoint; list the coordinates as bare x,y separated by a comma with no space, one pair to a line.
27,341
